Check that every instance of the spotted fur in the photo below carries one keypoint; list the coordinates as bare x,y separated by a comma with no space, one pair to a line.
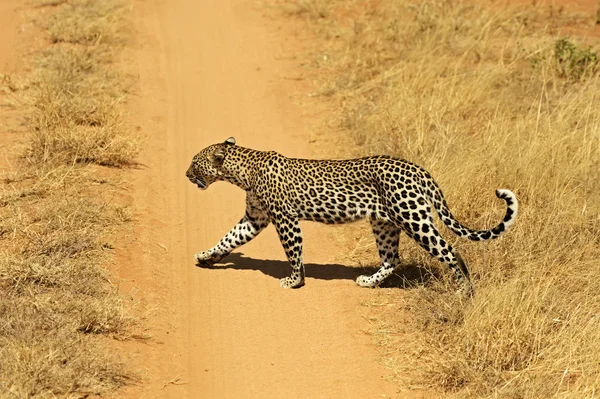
394,194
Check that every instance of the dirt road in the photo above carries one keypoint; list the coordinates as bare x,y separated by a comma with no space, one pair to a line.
207,71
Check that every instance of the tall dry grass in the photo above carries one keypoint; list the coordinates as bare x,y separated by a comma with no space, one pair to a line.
57,214
484,97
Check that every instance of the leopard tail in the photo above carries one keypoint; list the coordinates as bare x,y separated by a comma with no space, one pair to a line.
436,198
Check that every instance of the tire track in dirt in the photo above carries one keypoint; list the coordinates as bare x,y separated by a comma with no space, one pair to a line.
207,71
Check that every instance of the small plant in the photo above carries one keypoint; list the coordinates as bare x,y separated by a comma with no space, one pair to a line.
572,62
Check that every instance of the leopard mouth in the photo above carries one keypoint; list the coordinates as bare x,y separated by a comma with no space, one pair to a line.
200,182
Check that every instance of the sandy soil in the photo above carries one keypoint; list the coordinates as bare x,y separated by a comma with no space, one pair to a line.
207,71
11,22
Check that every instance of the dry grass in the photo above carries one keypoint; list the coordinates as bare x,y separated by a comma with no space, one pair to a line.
57,217
76,97
88,22
484,98
55,291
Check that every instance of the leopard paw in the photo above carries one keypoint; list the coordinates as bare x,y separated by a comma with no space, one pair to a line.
290,282
366,281
207,258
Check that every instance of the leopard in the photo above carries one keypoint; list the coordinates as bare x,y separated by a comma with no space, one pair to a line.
394,194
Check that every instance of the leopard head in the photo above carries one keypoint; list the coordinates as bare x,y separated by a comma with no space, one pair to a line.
206,166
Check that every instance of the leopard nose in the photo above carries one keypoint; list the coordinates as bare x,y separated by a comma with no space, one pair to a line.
189,173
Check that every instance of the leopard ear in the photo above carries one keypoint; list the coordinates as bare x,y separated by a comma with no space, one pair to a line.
219,154
230,140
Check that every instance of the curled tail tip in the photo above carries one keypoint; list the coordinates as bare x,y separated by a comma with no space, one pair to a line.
512,206
505,193
508,196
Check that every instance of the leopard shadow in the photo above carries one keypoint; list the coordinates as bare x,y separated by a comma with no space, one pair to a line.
408,275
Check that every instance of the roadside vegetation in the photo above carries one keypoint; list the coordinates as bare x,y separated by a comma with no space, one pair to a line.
484,97
57,208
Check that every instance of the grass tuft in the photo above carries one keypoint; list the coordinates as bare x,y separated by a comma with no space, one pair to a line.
77,92
88,22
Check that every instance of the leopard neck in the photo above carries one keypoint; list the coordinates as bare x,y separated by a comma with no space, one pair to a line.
236,166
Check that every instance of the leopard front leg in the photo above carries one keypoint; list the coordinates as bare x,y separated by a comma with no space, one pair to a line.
240,234
290,236
253,222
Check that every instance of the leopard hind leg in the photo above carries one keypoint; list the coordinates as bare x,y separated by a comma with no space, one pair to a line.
387,237
424,232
